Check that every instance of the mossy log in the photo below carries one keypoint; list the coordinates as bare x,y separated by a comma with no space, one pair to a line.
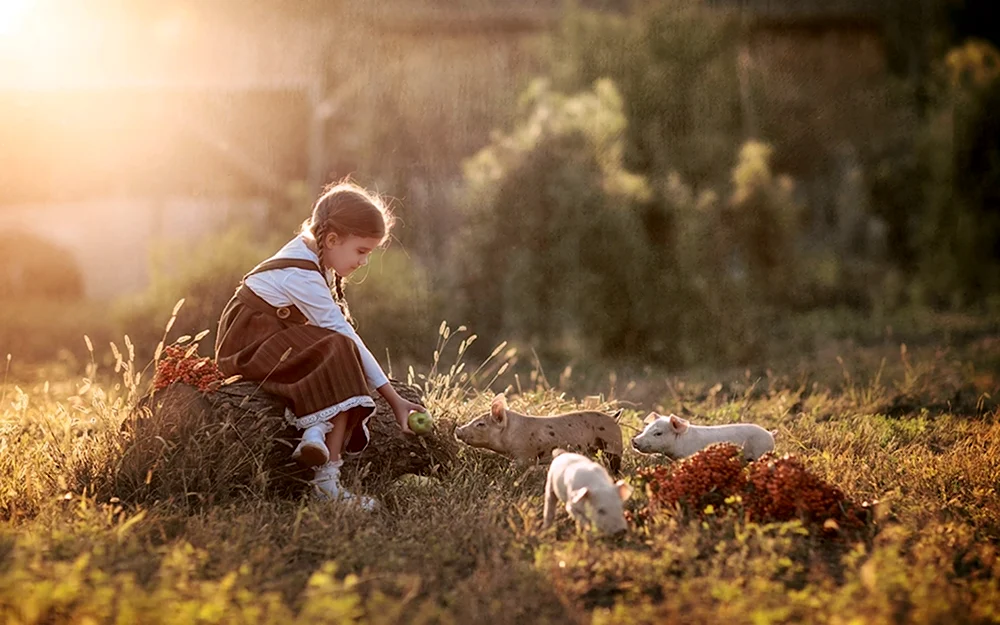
210,447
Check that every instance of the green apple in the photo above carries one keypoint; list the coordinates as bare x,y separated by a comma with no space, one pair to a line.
420,422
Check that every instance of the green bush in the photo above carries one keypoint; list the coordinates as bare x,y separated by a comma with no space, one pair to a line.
673,63
554,250
32,267
577,255
958,232
737,260
44,314
765,225
692,99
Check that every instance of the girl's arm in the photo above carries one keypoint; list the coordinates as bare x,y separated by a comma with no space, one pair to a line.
401,408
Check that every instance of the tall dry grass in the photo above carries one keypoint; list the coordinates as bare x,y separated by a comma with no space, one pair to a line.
468,546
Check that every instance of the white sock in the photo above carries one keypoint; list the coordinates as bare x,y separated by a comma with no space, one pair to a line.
316,432
327,486
327,478
331,467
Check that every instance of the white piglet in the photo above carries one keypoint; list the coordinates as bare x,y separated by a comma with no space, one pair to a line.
591,498
678,438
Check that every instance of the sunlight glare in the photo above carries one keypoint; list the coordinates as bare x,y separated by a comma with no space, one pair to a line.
12,16
52,45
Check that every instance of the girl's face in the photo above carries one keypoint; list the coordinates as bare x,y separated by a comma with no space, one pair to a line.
345,254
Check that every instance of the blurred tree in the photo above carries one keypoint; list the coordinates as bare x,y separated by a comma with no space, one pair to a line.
553,249
674,64
957,234
765,224
920,32
33,267
563,247
934,176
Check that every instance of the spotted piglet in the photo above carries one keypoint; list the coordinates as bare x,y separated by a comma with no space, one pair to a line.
530,438
588,492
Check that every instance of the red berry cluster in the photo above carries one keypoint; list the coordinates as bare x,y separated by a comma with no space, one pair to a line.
652,480
705,479
769,490
180,363
782,489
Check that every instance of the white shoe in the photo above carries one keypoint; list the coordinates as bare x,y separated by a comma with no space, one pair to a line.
326,487
312,450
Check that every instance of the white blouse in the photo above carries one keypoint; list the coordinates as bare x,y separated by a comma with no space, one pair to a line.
309,292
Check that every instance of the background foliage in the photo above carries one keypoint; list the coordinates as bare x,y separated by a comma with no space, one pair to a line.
642,194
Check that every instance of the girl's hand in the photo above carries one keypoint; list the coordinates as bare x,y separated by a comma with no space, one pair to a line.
401,408
402,411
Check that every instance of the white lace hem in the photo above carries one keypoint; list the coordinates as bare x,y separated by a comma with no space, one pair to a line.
330,412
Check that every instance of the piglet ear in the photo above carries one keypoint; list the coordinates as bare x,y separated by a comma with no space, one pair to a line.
679,425
579,495
624,490
652,416
498,409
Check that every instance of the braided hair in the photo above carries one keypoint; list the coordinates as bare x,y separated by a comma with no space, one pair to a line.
345,209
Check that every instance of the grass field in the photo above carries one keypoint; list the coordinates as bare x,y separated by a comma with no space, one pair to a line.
913,427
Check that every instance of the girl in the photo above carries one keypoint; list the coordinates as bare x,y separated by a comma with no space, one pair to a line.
285,328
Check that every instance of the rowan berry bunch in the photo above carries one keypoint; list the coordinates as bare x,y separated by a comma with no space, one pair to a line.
652,480
707,478
782,489
180,363
771,489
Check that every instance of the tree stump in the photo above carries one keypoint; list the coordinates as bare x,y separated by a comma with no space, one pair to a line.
207,448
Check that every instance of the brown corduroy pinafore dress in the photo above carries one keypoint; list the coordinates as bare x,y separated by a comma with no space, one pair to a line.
317,370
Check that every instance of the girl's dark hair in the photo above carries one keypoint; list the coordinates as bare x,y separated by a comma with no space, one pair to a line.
346,209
